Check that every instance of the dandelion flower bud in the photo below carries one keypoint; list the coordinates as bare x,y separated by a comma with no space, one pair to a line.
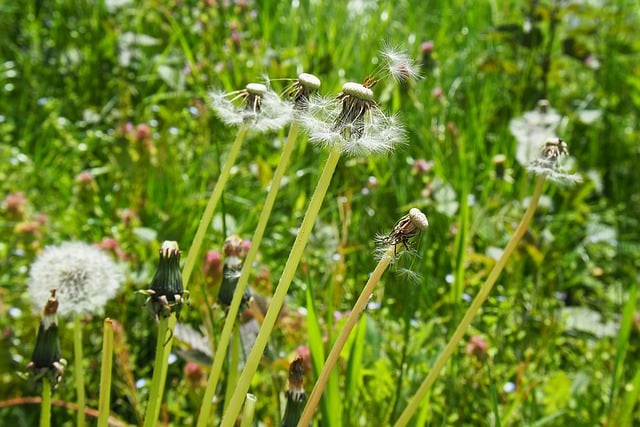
296,396
46,359
85,277
352,122
254,104
166,290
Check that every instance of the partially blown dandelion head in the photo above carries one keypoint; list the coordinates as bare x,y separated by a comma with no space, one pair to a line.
547,163
46,359
165,294
255,104
532,127
304,86
352,122
85,277
405,229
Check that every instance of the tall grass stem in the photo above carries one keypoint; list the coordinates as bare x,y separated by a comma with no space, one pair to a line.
482,295
249,410
104,404
159,373
233,410
232,313
350,323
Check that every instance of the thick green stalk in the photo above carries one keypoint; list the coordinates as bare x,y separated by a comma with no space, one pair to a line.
104,404
350,323
232,313
159,372
45,406
277,301
207,216
249,410
79,371
483,293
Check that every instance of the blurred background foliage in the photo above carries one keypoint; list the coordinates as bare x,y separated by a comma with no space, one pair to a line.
106,136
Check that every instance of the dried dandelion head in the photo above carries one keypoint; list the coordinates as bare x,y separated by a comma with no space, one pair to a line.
85,277
405,229
302,88
255,104
352,122
547,163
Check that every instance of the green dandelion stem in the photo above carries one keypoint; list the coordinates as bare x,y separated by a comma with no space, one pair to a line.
104,403
232,314
483,293
79,371
45,406
350,323
163,348
249,410
207,216
233,410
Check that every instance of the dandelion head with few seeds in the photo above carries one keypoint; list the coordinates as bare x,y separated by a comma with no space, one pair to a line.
352,122
85,277
404,230
255,104
532,127
547,163
301,90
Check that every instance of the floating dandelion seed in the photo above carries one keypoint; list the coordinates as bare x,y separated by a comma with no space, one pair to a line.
255,104
352,122
400,66
406,228
531,128
547,163
85,277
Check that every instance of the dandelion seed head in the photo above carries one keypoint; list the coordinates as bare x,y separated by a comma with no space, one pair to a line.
352,122
300,91
532,127
547,163
255,104
84,276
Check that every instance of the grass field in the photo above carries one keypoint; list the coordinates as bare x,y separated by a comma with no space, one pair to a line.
107,136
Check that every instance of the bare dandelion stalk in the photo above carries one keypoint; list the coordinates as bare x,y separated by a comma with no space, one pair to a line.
249,410
544,167
300,93
79,370
406,228
104,404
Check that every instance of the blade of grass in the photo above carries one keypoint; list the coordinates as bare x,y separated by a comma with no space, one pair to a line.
79,371
104,404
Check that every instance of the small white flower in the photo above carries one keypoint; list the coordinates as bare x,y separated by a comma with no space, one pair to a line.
352,122
84,276
256,104
533,127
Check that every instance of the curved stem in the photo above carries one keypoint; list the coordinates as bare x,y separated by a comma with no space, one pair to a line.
483,293
277,301
350,323
232,313
205,221
79,371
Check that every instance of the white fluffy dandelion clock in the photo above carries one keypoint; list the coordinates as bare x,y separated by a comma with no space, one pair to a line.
84,276
255,104
352,122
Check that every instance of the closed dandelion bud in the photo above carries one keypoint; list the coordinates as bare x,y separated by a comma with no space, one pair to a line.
166,290
234,251
296,396
46,359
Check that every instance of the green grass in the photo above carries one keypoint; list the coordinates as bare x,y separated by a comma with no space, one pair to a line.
74,74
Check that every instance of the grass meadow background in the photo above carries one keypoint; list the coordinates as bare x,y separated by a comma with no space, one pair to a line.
106,131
